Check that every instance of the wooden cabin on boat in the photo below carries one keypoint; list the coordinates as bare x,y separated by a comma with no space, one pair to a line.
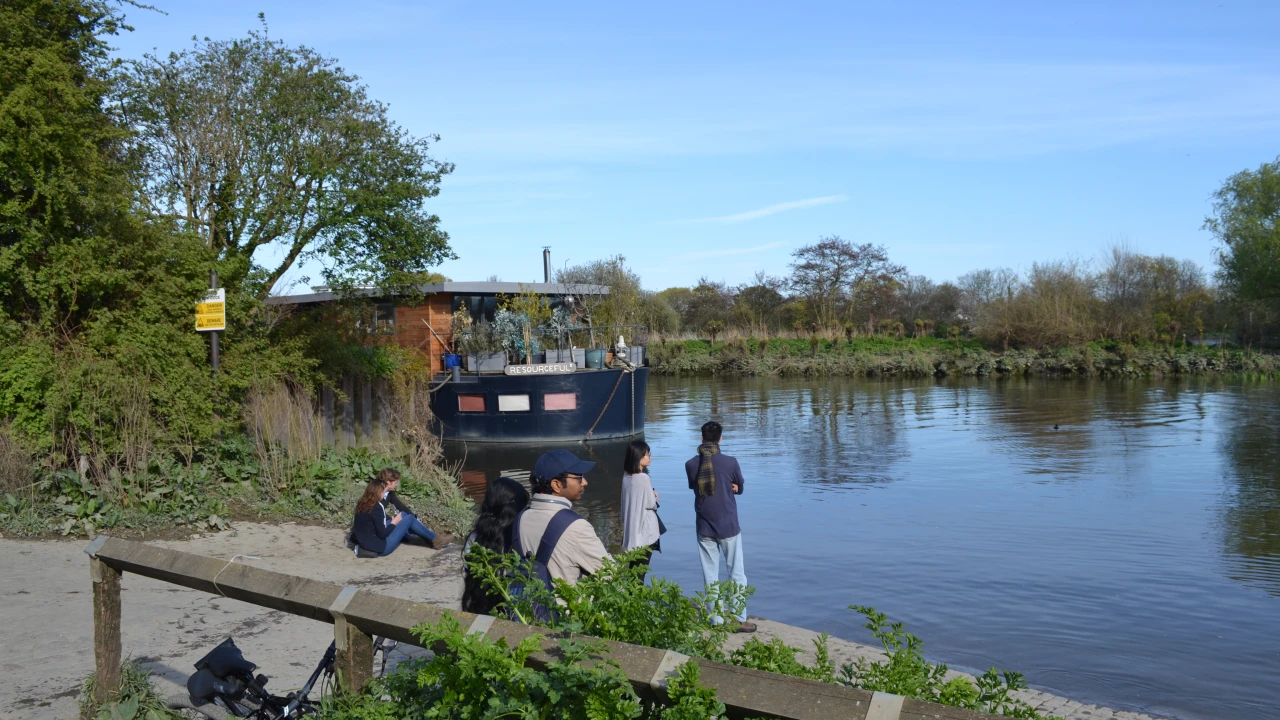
427,326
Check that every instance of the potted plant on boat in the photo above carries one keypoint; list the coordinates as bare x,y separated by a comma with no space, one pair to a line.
483,349
516,336
562,325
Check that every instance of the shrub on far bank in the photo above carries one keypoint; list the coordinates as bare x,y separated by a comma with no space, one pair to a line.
934,357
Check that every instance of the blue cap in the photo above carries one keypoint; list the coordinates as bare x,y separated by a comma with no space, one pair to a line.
558,462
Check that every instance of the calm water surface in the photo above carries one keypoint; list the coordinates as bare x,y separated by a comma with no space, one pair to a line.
1130,557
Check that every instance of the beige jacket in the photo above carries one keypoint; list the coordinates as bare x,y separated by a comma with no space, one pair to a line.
579,551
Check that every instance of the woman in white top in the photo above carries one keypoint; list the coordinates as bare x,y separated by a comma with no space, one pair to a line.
639,503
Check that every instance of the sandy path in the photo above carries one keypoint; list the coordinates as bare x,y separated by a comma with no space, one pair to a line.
46,622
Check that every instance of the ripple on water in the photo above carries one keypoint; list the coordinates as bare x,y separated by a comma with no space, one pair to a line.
1131,557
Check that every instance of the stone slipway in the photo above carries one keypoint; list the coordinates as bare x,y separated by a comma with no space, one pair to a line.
46,624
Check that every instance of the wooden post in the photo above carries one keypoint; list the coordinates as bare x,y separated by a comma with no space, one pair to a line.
326,413
106,630
348,411
355,647
355,663
382,409
366,411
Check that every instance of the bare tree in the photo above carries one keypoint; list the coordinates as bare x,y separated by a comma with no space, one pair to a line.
836,277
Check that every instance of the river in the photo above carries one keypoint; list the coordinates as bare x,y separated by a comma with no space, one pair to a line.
1116,542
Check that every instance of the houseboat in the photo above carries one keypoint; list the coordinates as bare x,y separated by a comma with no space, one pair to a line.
553,395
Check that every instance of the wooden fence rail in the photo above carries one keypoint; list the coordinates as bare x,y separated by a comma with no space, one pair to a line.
357,615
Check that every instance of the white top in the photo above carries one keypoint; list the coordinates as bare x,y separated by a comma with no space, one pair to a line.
639,512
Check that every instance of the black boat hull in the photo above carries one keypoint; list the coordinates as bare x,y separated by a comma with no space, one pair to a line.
608,404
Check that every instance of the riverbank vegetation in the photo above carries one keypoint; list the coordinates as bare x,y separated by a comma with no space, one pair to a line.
837,288
816,355
123,184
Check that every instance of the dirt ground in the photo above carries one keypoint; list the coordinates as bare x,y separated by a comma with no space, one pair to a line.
46,620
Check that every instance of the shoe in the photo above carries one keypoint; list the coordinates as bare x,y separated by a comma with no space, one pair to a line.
442,539
745,627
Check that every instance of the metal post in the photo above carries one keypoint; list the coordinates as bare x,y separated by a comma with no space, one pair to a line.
213,336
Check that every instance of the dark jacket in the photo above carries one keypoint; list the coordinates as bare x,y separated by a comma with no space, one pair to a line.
372,528
395,500
718,512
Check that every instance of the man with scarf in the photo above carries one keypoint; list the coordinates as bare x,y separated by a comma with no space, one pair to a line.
716,480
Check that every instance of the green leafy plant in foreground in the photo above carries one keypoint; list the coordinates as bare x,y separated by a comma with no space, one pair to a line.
475,678
905,671
136,699
614,603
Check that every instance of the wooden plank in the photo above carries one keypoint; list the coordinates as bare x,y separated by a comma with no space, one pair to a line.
106,630
235,580
920,710
745,692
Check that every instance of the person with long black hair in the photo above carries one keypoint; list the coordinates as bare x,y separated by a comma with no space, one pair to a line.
504,499
640,524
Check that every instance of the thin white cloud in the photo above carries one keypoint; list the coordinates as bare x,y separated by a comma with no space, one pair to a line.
725,252
774,209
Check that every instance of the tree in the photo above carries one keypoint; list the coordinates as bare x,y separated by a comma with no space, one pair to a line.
834,275
63,202
251,144
756,304
1246,221
622,304
711,301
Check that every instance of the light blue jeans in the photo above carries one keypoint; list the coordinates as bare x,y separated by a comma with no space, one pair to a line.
710,550
409,524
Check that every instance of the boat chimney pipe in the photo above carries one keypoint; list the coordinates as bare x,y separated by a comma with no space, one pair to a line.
546,263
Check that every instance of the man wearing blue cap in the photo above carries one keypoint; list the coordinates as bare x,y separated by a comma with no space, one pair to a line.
558,480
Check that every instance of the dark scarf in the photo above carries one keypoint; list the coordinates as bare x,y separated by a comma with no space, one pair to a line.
706,475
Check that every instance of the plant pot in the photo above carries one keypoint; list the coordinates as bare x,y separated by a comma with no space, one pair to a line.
486,362
635,355
451,360
595,358
577,357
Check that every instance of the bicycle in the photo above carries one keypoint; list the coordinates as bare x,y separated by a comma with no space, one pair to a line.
224,686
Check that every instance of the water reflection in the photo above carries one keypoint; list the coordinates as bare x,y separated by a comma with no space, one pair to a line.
1129,556
600,504
1251,513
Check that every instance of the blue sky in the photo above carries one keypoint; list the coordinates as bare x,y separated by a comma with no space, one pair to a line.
713,139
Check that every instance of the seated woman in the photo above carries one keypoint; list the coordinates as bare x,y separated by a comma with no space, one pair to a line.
374,531
504,499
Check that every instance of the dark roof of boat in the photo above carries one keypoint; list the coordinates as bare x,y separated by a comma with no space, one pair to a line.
455,288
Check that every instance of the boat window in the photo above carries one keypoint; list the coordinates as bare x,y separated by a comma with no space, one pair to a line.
560,401
481,307
513,403
470,403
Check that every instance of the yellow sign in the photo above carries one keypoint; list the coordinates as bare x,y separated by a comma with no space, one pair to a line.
211,311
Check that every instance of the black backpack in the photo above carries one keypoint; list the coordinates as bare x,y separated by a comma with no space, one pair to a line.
541,572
